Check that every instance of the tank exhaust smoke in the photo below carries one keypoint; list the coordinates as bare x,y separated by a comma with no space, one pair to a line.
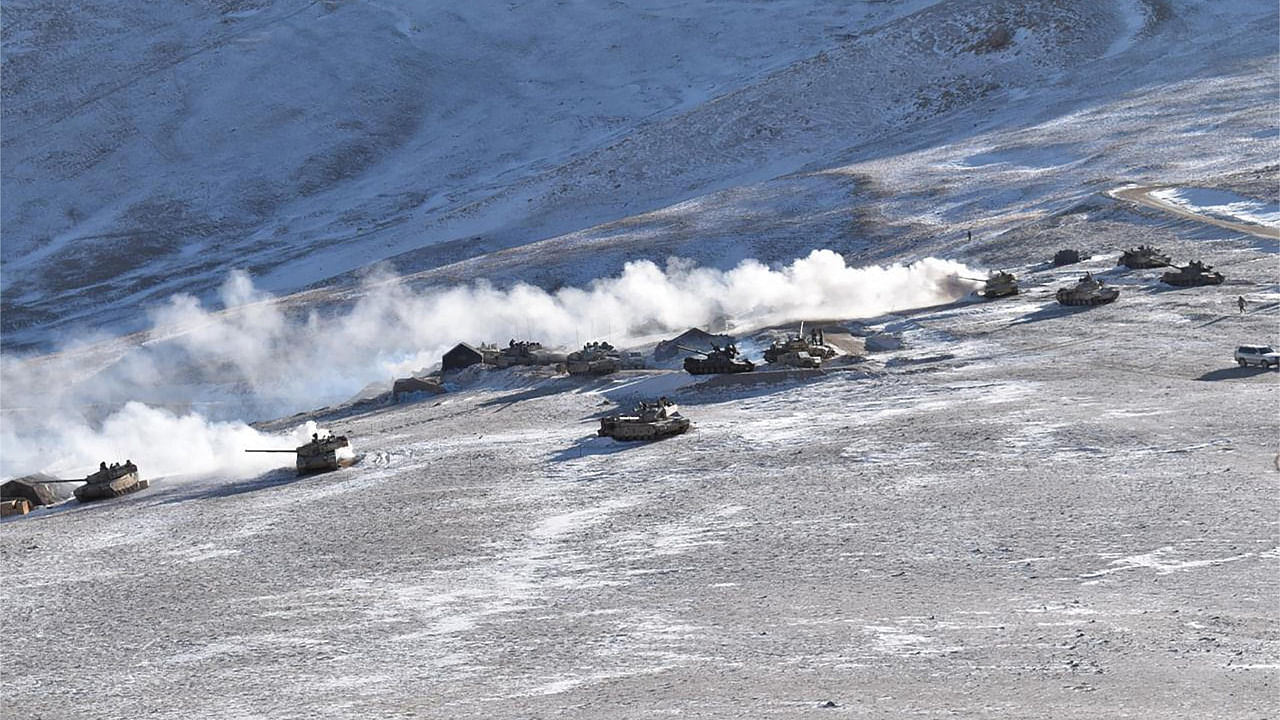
187,388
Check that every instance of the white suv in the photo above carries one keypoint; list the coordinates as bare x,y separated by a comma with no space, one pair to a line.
1260,355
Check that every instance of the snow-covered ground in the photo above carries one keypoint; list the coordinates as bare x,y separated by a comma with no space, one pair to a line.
1224,205
1025,511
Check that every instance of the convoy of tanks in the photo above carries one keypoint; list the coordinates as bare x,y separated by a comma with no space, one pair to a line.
661,418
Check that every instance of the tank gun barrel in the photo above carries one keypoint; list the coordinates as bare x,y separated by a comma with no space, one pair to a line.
686,348
282,451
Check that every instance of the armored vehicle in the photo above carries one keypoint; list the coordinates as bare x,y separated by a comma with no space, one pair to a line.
800,359
518,353
1069,257
595,358
649,421
1087,291
999,284
322,454
800,350
717,360
111,482
1143,256
1193,274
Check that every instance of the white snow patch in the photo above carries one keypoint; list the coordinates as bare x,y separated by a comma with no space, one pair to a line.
1222,204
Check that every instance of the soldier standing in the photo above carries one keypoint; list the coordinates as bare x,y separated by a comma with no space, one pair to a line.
1240,304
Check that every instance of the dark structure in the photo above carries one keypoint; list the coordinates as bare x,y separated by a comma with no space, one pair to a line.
414,385
1068,257
36,489
460,356
699,340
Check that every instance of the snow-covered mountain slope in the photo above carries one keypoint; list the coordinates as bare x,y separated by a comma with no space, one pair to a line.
149,150
248,134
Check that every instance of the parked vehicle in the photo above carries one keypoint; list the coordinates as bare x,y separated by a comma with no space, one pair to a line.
1260,355
1087,291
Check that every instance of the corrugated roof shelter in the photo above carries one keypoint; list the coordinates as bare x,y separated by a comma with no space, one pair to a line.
695,338
460,356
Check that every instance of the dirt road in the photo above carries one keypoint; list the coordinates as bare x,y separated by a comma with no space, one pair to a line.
1142,196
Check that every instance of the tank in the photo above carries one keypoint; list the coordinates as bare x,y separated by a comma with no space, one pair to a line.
1087,291
1143,256
999,284
523,352
800,350
1193,274
111,482
800,359
321,454
1068,257
718,360
649,421
595,358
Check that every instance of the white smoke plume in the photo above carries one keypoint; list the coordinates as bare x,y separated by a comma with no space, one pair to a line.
259,358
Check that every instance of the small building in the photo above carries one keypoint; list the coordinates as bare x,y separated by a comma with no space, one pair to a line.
694,338
403,387
460,356
36,489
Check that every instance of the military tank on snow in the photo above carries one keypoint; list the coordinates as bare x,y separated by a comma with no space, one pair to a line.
1192,274
1087,291
649,421
1142,257
800,350
523,352
999,284
321,454
1069,256
111,481
717,360
595,358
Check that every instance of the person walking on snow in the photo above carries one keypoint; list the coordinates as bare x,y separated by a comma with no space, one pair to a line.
1240,304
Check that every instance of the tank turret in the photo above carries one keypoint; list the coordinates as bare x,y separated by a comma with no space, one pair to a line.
717,360
1143,256
648,421
1192,274
111,481
1087,291
806,351
595,358
999,284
